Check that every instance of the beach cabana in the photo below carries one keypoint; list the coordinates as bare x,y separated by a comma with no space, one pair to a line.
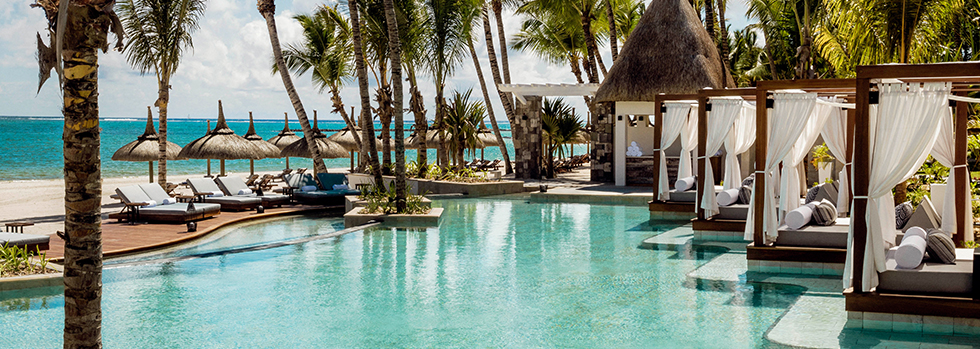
328,149
221,143
266,150
668,52
675,125
146,147
797,113
284,138
726,121
897,125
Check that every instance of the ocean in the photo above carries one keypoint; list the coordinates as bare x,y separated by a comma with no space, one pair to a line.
32,147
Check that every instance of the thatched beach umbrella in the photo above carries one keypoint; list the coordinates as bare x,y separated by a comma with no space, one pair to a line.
221,143
266,149
328,149
284,138
146,147
431,140
345,138
669,51
487,139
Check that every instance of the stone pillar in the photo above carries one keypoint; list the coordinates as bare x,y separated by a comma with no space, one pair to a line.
602,141
528,131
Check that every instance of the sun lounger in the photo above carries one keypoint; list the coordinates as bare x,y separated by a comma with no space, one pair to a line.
30,241
207,190
324,194
282,176
251,180
161,212
931,277
235,186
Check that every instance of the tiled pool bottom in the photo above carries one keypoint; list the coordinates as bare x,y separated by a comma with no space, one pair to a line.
496,273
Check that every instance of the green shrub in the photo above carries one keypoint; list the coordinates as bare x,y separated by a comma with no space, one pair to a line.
384,201
16,260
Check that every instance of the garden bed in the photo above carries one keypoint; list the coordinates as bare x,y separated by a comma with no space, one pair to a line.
355,218
427,186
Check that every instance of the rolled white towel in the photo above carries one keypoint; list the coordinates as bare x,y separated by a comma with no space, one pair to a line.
799,217
244,191
915,231
909,254
340,187
728,197
683,184
307,188
168,201
216,194
149,203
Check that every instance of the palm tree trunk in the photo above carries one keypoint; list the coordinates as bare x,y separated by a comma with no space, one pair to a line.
83,173
394,47
385,111
504,98
504,60
421,124
163,99
772,62
709,20
590,46
612,30
726,64
486,97
268,10
367,125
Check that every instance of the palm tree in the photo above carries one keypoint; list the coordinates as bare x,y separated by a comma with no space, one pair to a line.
374,30
486,98
580,12
326,50
394,46
611,17
449,36
462,124
505,98
554,40
268,10
412,32
560,124
79,81
367,125
159,31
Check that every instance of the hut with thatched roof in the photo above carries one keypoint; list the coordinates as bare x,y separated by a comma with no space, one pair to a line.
668,52
146,147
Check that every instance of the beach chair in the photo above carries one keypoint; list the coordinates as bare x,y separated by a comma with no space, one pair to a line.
282,176
207,191
235,186
157,206
301,170
251,180
307,191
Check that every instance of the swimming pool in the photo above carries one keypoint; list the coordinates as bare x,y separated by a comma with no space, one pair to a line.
496,273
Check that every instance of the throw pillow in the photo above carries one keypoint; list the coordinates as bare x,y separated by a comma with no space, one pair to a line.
745,194
903,212
824,213
941,247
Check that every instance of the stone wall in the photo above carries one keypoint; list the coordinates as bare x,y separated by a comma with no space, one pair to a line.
602,140
639,170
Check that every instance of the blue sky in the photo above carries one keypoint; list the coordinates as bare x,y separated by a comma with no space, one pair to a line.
230,61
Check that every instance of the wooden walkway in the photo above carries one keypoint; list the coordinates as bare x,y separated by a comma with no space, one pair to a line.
124,238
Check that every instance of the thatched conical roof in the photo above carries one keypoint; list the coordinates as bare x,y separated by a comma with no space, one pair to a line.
431,140
669,51
221,143
487,137
268,150
328,149
285,137
345,138
147,146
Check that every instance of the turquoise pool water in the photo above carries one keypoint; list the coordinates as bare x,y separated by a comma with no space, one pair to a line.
496,273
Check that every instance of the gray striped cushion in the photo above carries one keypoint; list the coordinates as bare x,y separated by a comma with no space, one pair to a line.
940,247
903,212
824,213
749,181
811,194
745,194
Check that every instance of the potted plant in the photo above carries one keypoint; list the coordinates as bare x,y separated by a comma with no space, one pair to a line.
823,161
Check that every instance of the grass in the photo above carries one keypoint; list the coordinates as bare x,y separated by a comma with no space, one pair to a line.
18,261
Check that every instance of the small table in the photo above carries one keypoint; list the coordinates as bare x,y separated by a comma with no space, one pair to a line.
17,226
185,198
134,211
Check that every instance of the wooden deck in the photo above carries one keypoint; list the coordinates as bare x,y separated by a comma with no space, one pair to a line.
119,238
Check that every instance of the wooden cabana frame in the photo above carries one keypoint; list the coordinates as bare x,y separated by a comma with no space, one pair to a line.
758,250
962,75
701,222
657,205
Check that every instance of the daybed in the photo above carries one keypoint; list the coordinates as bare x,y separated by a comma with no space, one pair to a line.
235,187
160,208
207,191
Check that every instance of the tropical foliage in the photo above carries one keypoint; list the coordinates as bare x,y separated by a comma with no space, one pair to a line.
561,126
462,124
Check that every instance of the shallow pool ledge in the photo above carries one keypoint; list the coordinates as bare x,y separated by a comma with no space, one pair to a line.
355,218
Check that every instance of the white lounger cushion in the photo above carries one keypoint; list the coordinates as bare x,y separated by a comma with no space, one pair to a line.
728,197
909,254
799,217
684,184
132,194
155,192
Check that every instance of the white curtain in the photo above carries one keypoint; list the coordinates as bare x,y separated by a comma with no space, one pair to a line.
673,121
905,128
720,118
787,119
835,135
944,151
739,140
689,142
789,185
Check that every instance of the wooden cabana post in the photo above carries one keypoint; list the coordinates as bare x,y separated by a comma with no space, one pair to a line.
703,108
